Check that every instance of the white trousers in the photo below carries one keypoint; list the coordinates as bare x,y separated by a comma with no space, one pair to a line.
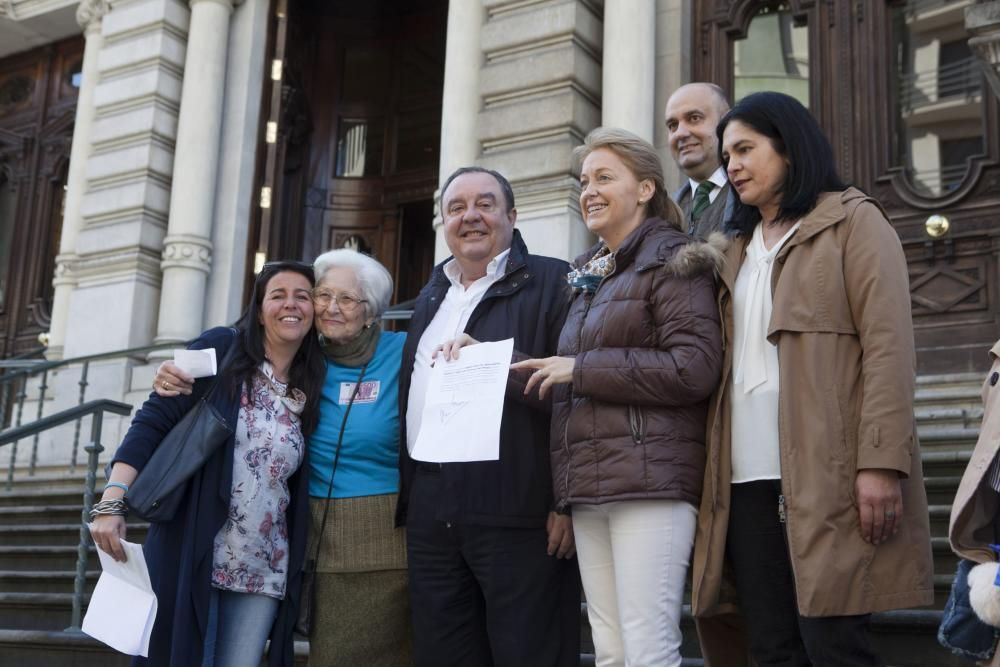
634,557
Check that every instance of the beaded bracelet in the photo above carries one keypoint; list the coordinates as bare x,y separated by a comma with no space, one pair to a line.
113,507
120,485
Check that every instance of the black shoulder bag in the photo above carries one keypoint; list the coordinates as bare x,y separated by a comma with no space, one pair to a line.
307,601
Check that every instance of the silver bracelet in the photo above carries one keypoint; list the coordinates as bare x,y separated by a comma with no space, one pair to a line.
112,507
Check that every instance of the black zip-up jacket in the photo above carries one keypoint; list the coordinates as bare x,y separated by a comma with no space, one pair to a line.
528,303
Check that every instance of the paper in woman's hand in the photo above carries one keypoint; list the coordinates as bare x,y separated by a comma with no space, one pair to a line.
464,406
199,363
123,606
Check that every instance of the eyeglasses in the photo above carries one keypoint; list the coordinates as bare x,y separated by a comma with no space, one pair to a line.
346,302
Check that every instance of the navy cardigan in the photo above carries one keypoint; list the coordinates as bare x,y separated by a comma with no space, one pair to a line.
179,552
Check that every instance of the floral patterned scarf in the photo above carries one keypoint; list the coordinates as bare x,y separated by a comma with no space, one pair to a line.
590,275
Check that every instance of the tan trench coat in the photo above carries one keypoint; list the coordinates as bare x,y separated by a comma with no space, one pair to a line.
970,530
841,321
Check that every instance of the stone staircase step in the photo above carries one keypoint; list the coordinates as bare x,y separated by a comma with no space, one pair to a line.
49,479
40,514
41,648
948,415
48,558
45,496
58,534
42,581
950,463
941,488
947,437
36,611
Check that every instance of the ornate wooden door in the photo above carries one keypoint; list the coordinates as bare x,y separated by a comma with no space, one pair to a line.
38,91
355,157
912,122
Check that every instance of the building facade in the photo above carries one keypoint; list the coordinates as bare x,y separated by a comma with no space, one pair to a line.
154,152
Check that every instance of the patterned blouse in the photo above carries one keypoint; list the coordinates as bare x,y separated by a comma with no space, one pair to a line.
251,549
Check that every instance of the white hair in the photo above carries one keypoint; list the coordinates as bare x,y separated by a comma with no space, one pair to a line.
374,280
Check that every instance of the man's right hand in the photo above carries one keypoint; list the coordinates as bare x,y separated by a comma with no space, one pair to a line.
171,380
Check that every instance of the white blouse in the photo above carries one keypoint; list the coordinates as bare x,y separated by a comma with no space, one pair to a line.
754,405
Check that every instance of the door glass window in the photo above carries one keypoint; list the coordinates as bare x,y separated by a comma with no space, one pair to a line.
359,148
773,56
939,94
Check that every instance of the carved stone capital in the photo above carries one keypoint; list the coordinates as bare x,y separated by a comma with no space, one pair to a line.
91,11
188,252
983,23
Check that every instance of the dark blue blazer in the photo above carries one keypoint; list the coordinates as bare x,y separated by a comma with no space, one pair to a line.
179,552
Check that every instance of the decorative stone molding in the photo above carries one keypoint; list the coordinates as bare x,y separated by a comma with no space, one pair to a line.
983,21
187,251
91,12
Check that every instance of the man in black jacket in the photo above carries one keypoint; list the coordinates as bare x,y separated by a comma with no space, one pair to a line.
492,578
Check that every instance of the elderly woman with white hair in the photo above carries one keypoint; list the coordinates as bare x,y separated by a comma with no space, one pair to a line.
361,615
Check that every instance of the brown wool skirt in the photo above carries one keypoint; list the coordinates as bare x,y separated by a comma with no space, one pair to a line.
362,604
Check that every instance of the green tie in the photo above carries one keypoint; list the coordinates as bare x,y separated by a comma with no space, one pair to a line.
701,198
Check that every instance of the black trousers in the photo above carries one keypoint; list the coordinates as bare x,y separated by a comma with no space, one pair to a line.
487,596
757,548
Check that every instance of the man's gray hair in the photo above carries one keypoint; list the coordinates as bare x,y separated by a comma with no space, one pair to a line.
374,280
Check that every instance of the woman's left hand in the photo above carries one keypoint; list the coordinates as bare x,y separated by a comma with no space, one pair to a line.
880,503
559,528
548,371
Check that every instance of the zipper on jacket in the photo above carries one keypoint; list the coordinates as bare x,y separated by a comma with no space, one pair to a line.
782,517
636,422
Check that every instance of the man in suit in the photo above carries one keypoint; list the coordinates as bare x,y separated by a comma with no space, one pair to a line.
692,114
492,578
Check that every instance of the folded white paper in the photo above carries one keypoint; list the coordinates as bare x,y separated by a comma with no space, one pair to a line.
199,363
464,405
123,606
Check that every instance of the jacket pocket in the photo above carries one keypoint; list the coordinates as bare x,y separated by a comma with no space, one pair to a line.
637,424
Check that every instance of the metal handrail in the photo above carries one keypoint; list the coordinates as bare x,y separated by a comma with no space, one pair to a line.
96,410
45,364
928,86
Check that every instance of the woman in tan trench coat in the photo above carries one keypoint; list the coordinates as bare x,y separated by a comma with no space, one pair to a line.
813,513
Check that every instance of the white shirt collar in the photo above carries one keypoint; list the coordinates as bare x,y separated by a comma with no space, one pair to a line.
494,270
718,177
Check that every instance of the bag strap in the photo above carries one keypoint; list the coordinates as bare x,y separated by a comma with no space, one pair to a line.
336,459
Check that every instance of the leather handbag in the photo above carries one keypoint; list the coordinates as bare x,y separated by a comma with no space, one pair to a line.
161,485
307,599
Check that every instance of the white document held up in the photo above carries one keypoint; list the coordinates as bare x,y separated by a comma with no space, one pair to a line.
199,363
464,405
123,606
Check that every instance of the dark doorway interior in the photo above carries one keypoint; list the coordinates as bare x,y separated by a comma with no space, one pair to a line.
356,156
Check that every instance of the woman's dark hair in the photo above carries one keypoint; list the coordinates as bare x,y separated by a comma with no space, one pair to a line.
795,135
308,369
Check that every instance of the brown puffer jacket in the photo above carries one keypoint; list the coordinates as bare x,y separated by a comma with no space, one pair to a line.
648,351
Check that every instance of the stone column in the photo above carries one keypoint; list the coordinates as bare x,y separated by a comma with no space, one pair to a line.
629,66
539,95
187,248
461,100
673,68
89,15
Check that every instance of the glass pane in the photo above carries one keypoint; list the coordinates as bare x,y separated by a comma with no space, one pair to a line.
8,208
774,55
359,148
939,89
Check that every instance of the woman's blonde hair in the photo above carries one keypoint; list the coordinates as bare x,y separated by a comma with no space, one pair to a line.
642,160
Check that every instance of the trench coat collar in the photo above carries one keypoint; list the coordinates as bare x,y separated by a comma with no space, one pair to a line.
831,209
